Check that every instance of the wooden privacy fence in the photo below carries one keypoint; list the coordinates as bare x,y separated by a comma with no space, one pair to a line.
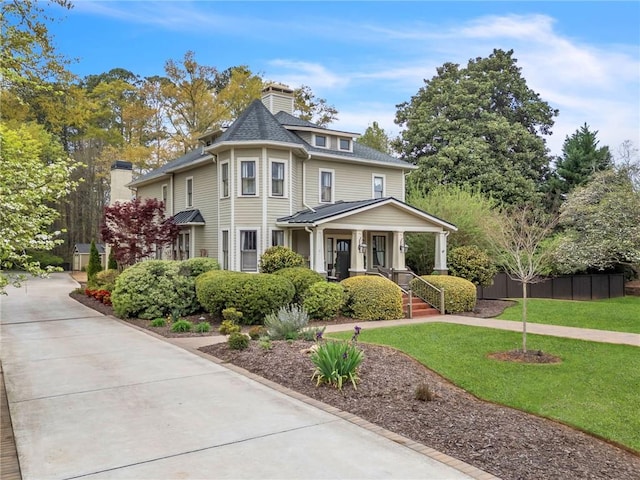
569,287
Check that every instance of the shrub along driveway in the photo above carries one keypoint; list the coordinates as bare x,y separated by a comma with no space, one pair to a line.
92,397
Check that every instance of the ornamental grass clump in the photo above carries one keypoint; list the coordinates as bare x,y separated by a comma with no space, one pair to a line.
337,362
287,323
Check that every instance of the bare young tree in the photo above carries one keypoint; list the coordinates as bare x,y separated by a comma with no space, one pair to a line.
517,235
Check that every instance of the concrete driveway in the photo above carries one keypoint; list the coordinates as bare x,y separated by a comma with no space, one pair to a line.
93,398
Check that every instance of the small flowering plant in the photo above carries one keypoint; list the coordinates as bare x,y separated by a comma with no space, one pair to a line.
337,362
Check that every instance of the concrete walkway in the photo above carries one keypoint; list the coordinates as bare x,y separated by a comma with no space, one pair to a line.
92,398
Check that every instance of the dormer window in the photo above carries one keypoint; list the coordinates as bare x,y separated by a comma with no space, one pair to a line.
321,141
345,144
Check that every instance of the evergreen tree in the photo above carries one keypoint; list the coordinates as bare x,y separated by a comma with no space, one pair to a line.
95,265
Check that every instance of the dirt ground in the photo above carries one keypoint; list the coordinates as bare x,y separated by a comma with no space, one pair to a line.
508,443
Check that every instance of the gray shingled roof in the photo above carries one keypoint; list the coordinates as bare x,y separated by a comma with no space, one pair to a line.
86,248
327,211
187,217
287,119
186,159
257,123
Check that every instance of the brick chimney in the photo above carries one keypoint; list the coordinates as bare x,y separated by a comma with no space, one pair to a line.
278,97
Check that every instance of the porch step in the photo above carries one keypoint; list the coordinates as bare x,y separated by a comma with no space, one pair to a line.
418,306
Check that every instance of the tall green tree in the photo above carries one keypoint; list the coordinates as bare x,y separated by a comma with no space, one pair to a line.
480,125
95,265
36,174
375,137
581,158
311,108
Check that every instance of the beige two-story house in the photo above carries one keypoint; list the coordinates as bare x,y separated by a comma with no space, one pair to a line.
273,179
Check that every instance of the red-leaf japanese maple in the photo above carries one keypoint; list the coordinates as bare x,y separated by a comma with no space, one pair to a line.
137,229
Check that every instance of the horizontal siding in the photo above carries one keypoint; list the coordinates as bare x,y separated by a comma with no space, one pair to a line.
387,217
248,211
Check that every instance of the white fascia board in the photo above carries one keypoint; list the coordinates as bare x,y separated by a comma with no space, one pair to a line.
256,143
361,161
322,131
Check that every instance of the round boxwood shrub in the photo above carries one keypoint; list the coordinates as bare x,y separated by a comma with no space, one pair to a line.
302,278
238,341
106,280
459,293
279,257
372,298
198,265
255,295
153,289
324,300
472,263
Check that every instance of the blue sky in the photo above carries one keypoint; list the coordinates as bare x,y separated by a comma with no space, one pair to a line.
367,57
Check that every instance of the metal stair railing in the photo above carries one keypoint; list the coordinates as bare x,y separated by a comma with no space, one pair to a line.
431,294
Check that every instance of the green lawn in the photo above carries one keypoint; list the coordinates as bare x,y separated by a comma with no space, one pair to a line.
596,387
615,314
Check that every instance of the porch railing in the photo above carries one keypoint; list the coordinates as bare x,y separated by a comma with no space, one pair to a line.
422,289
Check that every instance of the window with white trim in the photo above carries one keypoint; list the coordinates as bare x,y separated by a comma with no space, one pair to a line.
277,179
277,238
189,192
225,249
182,246
249,250
379,250
321,141
326,186
248,177
224,179
344,144
165,196
378,186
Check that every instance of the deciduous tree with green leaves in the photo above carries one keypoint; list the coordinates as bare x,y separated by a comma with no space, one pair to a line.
375,137
35,175
479,125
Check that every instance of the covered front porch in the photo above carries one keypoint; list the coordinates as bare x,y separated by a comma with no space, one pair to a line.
353,238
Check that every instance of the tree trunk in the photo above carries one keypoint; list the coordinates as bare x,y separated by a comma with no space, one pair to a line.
524,317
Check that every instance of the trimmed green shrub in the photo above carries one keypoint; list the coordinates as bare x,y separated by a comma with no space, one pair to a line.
372,298
153,289
94,265
238,341
279,257
182,326
286,323
459,294
324,300
232,315
106,280
46,259
302,278
472,263
228,327
255,294
197,266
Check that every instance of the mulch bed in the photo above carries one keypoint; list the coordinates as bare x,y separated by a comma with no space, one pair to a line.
503,441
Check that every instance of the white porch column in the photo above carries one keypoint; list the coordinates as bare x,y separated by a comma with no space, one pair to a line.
319,264
441,253
357,257
398,257
311,249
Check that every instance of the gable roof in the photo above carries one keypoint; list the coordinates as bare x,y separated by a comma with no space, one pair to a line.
326,213
194,156
85,248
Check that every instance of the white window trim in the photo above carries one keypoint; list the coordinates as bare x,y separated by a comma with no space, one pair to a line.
221,186
327,142
350,149
387,243
384,184
238,259
186,192
166,202
333,184
285,185
284,236
229,244
256,161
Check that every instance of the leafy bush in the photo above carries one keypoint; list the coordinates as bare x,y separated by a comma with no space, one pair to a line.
197,266
459,294
324,300
302,278
232,315
94,265
158,322
372,298
182,326
46,259
472,263
228,327
153,289
279,257
112,263
337,362
255,294
265,343
256,332
238,341
202,327
286,323
106,279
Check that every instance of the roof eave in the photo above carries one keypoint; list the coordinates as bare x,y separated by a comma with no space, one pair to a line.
190,165
216,147
360,160
322,130
148,181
